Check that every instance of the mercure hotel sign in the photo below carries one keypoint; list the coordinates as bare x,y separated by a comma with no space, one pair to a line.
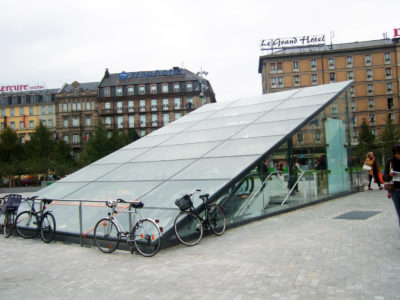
301,41
21,88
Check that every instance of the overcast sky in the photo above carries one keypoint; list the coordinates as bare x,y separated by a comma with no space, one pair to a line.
58,41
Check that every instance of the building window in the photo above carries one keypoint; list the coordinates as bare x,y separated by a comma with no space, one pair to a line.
273,82
12,111
153,89
50,109
120,121
371,104
118,91
43,110
280,81
371,119
142,120
154,120
65,107
370,89
75,121
143,132
189,103
50,124
119,107
154,104
368,60
73,106
2,125
177,103
107,105
295,66
31,124
313,64
369,74
354,120
272,67
76,139
131,91
166,119
189,87
387,58
142,105
65,122
331,62
88,105
130,106
349,61
334,107
164,88
314,79
177,87
21,111
88,121
296,80
353,106
165,104
332,77
107,121
107,92
317,136
389,88
76,91
142,89
279,67
352,92
12,125
300,138
350,75
177,115
389,103
31,112
131,121
2,112
66,138
388,73
391,117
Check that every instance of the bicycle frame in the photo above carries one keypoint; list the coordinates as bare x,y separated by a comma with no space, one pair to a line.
112,216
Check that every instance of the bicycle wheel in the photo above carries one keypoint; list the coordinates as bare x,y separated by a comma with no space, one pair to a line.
8,224
216,219
188,228
106,235
147,237
48,227
27,224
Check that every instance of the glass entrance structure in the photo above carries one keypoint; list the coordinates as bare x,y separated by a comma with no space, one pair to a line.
254,156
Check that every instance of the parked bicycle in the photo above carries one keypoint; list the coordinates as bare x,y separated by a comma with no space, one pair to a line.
189,225
145,235
30,222
2,203
9,208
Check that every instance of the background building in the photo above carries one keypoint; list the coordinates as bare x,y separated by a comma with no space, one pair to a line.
23,110
372,65
76,113
146,101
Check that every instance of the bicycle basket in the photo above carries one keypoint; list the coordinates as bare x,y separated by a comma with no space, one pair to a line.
12,204
184,203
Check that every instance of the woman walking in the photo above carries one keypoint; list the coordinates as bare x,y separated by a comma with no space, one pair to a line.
374,172
392,173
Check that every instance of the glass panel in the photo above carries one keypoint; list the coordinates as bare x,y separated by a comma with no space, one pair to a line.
216,168
264,98
225,122
121,156
212,107
268,129
215,134
322,89
193,117
59,190
177,152
287,114
172,128
103,191
146,171
247,109
306,101
90,173
241,146
149,141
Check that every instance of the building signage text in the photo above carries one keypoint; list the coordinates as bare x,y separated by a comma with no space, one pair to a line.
21,88
396,32
125,75
302,41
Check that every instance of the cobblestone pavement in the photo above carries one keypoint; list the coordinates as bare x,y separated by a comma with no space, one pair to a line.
304,254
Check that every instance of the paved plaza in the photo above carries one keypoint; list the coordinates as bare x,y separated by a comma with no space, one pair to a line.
303,254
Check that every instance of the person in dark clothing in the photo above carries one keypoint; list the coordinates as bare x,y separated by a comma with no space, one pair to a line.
375,170
392,166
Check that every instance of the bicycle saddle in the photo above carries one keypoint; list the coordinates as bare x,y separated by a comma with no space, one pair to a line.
204,196
137,204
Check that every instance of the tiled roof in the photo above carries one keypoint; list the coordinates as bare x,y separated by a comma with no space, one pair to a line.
86,86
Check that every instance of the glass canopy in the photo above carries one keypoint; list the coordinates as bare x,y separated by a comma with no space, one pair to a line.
210,148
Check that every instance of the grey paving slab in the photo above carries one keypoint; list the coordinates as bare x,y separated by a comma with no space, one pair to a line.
304,254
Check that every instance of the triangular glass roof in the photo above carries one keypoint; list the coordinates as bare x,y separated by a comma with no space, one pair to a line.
205,149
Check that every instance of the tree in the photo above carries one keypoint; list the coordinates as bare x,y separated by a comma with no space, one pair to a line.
366,140
388,137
